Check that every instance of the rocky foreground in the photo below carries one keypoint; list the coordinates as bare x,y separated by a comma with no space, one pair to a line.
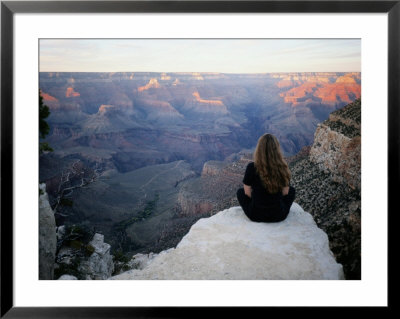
230,246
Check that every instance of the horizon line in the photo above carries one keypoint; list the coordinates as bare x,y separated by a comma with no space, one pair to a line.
204,72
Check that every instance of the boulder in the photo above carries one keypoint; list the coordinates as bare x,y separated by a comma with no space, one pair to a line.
230,246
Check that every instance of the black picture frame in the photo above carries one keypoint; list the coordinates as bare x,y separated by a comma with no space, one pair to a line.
9,8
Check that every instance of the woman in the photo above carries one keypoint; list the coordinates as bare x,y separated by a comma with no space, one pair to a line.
267,194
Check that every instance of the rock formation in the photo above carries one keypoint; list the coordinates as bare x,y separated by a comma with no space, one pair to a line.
337,145
71,93
214,191
153,83
100,264
328,184
335,207
48,97
230,246
212,168
47,236
324,88
205,106
78,260
64,255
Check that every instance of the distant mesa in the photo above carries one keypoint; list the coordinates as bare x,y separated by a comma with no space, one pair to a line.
153,83
158,110
71,93
346,79
48,97
104,108
322,88
287,83
305,77
344,91
165,77
295,94
203,106
52,102
197,76
212,102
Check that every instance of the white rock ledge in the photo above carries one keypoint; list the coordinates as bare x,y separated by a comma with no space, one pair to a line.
230,246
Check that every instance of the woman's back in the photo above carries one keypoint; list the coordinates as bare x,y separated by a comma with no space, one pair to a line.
267,194
260,195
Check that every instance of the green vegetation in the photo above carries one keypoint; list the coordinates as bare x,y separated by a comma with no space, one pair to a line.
89,250
351,114
76,237
119,256
123,240
120,262
44,128
70,269
351,111
141,215
347,130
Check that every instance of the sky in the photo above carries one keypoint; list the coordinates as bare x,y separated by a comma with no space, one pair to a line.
200,55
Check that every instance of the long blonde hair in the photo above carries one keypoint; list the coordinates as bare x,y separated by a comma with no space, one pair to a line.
270,164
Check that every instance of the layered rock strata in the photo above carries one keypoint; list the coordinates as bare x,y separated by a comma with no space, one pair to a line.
328,184
337,145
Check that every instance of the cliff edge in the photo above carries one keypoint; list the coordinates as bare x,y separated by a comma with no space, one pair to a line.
327,178
230,246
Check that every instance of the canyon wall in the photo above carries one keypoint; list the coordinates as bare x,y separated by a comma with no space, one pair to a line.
327,177
337,145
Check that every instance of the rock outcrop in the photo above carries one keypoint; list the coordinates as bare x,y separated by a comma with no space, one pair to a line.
153,83
200,105
230,246
212,168
47,236
328,184
100,263
335,207
337,145
79,260
71,93
215,190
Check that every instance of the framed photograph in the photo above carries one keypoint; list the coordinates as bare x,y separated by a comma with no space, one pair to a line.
151,114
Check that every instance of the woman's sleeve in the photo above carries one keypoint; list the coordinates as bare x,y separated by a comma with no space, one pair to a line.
248,178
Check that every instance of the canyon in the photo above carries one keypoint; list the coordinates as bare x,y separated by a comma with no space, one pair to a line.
143,156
